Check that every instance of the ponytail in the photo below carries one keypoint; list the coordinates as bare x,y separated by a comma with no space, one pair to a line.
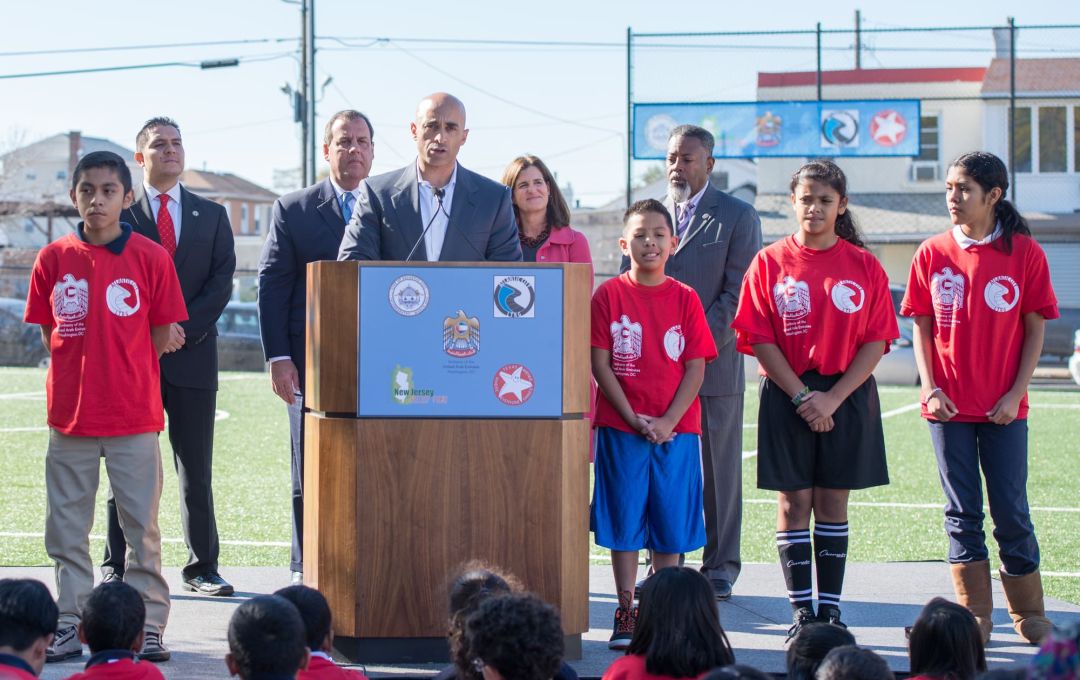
989,172
828,172
1012,223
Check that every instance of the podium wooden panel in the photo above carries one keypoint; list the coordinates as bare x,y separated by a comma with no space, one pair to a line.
394,506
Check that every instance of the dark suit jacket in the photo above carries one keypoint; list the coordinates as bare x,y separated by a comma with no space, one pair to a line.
205,263
307,227
387,223
721,240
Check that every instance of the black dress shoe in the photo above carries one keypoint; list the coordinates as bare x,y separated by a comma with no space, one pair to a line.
721,588
209,583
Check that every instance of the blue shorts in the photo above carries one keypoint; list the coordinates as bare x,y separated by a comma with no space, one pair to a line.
647,495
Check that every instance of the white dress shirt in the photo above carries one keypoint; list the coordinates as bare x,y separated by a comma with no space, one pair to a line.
339,192
173,205
429,207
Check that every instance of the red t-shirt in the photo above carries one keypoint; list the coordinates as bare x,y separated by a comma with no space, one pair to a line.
818,306
651,332
978,298
322,669
120,669
632,667
103,378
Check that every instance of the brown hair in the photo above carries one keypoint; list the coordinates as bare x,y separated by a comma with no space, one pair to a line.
558,213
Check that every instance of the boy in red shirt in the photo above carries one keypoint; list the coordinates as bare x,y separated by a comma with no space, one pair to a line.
112,626
106,300
650,342
27,621
315,613
980,294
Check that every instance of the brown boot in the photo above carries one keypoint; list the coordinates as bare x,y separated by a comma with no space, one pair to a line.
1024,595
971,581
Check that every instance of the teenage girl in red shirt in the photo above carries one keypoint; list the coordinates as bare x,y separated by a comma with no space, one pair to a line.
980,294
815,310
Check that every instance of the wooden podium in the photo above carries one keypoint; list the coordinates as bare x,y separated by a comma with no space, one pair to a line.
393,506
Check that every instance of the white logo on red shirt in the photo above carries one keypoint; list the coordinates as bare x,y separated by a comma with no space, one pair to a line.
674,342
792,298
1001,293
71,299
848,296
947,292
625,339
122,296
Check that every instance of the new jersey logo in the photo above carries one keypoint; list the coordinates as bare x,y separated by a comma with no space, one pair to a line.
947,290
792,298
122,296
848,296
1001,293
625,339
71,299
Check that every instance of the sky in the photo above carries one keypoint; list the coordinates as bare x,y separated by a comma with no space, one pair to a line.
559,90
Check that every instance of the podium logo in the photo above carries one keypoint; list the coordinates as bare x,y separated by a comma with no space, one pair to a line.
461,335
402,388
514,297
513,384
409,295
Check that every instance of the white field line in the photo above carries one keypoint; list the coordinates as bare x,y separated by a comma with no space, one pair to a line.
253,544
219,415
910,506
24,395
1066,574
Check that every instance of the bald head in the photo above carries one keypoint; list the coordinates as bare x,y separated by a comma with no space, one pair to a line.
439,131
440,100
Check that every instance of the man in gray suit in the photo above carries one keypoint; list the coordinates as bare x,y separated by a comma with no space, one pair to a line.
718,237
433,209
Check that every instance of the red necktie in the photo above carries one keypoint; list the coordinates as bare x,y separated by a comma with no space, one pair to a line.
165,225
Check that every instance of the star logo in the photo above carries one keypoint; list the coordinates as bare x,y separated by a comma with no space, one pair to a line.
513,384
888,128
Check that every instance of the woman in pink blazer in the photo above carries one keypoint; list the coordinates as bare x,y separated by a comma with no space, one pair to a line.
543,220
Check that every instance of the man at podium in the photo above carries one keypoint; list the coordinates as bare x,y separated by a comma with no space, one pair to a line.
433,210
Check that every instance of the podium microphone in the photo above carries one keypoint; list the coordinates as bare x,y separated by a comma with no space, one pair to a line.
439,193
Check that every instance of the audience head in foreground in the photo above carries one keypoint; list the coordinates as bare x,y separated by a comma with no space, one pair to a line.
266,637
853,663
946,642
27,621
678,628
515,637
809,647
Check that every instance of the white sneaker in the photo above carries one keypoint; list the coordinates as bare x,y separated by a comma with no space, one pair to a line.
65,645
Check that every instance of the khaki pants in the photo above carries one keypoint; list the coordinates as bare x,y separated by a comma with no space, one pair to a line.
133,464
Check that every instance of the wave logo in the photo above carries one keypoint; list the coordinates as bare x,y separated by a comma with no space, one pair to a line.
514,297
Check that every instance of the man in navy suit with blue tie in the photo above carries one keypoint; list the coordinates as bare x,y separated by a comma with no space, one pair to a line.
307,226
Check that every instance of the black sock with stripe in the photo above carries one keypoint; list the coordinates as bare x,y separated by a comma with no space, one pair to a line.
830,558
795,556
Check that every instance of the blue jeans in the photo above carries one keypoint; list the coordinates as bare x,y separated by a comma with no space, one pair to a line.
1001,452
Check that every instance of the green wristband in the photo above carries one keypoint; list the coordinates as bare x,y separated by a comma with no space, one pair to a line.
800,396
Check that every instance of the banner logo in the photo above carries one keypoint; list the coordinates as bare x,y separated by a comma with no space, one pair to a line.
839,128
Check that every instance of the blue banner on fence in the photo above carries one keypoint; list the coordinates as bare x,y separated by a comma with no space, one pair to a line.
882,127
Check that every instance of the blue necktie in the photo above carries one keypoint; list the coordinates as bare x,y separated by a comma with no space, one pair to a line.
346,205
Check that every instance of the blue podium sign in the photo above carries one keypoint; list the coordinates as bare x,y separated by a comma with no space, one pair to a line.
460,342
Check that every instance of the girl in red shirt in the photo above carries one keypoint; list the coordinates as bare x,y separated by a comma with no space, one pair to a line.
980,294
815,310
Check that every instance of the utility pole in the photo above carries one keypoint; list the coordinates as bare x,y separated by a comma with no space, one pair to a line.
302,99
309,89
858,40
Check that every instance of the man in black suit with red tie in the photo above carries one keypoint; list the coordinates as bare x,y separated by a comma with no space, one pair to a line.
196,232
307,227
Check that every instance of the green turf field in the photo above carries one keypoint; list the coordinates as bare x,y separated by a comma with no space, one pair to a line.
902,521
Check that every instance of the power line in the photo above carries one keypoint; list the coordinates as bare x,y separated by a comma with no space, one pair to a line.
155,46
206,64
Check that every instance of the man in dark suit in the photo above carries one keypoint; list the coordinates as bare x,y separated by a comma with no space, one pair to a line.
197,234
433,209
718,237
308,226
